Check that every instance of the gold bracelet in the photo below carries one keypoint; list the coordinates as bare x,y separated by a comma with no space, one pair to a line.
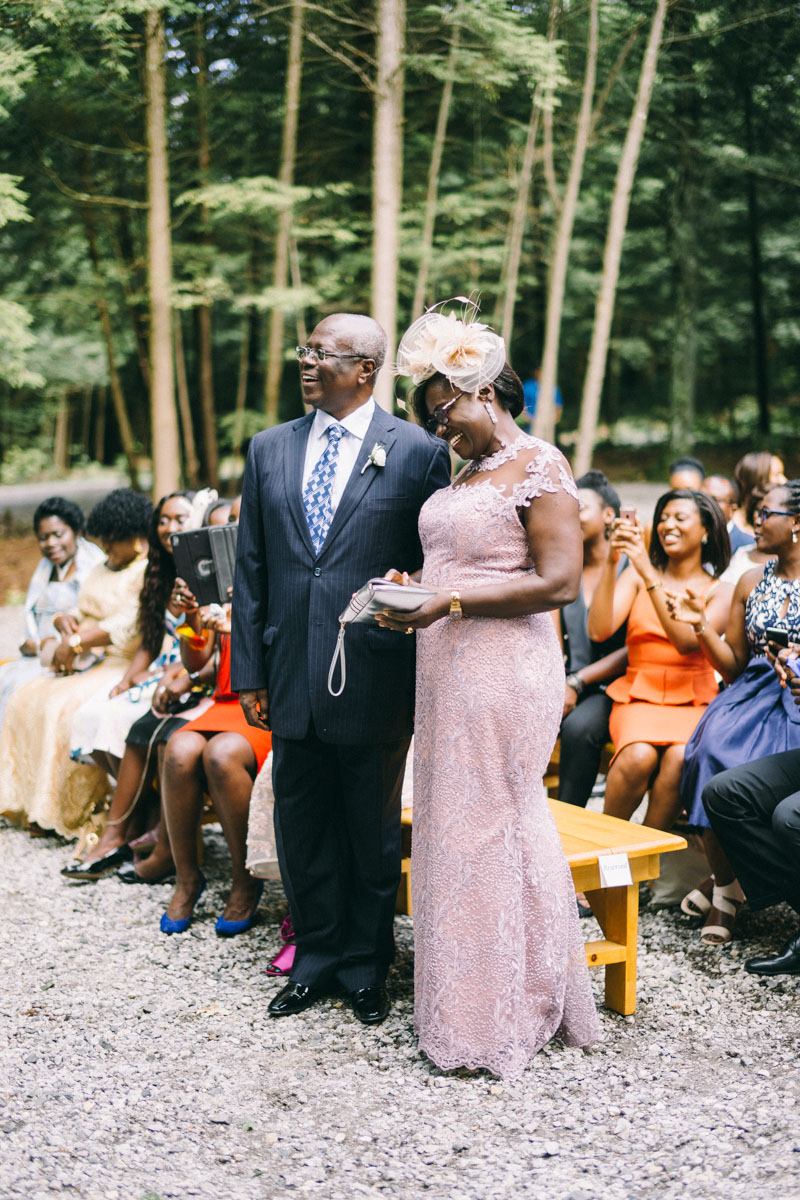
653,586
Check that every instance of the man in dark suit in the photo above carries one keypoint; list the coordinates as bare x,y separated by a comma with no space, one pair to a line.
755,812
329,501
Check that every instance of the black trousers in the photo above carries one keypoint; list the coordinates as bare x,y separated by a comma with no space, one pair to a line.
337,828
584,733
755,812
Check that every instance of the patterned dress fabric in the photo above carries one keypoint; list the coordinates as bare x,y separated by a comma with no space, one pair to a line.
755,716
38,781
499,960
317,492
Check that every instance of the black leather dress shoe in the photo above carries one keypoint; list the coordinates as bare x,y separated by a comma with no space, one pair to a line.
785,963
84,871
294,998
371,1005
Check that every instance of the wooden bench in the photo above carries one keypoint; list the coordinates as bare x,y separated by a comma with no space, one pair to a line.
585,836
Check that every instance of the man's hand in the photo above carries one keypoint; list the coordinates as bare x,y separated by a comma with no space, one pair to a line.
570,700
255,706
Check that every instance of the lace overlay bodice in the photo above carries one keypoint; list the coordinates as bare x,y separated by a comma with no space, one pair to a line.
499,960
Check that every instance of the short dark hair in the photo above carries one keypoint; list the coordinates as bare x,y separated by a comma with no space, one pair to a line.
792,490
687,463
595,481
65,510
732,484
507,387
717,551
120,515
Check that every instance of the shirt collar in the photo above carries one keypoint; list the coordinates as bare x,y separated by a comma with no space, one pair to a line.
356,423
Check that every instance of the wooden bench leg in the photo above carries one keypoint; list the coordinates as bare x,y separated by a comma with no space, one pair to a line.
617,912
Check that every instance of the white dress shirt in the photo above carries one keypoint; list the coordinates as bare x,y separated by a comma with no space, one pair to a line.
356,425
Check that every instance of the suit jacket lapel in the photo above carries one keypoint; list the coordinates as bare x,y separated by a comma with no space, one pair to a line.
381,432
293,473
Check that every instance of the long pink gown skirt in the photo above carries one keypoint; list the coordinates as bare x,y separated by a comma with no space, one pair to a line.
499,960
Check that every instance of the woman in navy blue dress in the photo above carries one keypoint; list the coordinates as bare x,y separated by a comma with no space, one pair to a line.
754,716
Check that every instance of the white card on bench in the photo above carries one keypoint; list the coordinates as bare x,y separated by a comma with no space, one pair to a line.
615,870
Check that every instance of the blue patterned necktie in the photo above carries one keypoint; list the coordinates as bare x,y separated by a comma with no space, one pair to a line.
317,492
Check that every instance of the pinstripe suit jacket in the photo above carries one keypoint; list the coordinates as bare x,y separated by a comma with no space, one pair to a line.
287,598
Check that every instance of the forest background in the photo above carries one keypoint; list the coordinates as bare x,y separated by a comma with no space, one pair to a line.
186,190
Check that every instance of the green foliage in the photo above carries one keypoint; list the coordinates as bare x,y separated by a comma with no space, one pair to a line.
73,165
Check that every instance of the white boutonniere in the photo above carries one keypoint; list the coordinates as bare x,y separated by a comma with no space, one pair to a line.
377,457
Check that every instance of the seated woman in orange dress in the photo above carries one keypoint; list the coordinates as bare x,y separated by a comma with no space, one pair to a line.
669,681
217,753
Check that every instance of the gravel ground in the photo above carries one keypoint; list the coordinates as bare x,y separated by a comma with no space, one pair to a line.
136,1065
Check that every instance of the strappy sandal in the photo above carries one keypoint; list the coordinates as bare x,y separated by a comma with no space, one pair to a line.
697,903
721,919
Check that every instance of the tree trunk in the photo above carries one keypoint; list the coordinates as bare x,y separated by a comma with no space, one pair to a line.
86,418
117,394
618,219
241,380
516,229
545,421
163,417
387,179
184,407
683,248
205,366
756,280
100,425
61,435
429,220
280,274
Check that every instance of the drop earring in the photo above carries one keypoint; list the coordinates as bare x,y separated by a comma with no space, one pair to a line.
705,539
794,536
490,411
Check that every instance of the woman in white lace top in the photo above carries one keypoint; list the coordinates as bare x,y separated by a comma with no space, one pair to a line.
499,960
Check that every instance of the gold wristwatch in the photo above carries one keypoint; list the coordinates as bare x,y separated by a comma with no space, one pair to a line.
74,643
455,605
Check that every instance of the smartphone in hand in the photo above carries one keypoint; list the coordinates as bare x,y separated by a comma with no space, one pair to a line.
778,637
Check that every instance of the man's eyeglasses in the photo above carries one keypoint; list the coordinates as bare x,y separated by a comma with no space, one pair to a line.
439,415
761,514
319,354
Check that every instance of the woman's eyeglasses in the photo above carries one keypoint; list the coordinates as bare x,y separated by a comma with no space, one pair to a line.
319,354
439,417
761,514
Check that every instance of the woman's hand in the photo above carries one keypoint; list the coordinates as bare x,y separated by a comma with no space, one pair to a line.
434,609
63,658
216,617
169,689
66,624
402,577
181,600
689,607
628,539
29,648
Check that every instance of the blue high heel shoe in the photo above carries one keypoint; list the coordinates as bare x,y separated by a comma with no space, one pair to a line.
231,928
170,926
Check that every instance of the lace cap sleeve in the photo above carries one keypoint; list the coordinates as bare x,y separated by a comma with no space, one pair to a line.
546,471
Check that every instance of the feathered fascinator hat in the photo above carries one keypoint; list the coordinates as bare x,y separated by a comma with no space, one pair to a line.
464,350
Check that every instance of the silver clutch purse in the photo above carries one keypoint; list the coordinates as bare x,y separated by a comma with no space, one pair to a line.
372,598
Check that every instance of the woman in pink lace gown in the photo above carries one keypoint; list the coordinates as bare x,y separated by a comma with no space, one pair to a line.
499,960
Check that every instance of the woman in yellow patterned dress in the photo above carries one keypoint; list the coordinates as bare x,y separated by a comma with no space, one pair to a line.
39,784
